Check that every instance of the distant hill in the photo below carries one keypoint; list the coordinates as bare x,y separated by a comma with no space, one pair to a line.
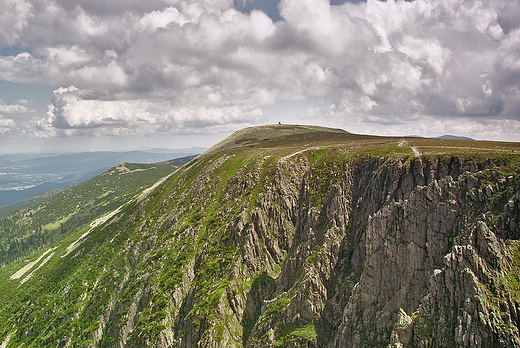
278,133
25,175
179,161
446,136
454,137
67,210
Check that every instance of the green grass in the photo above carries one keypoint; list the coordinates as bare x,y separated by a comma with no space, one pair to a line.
290,333
38,226
512,280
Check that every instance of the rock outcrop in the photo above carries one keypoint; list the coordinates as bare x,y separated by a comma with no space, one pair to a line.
365,252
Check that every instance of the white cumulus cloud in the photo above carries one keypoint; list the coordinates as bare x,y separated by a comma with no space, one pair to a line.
202,63
73,113
17,108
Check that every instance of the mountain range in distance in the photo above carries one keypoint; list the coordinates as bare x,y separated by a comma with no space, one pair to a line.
26,175
445,136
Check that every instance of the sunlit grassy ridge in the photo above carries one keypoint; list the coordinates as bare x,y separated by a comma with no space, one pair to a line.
279,134
285,140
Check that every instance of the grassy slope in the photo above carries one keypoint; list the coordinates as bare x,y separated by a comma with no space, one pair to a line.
6,209
39,225
285,140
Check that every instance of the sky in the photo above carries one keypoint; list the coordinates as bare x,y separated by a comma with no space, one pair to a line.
92,75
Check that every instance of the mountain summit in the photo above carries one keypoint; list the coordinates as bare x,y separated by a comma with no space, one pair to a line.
277,135
288,236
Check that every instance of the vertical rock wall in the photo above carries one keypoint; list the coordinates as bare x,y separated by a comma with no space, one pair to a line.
338,253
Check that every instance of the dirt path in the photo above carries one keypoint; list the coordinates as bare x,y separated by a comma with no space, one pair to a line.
18,274
6,341
416,152
298,152
37,268
93,225
149,190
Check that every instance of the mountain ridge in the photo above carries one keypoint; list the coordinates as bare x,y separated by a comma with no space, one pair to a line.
316,239
252,136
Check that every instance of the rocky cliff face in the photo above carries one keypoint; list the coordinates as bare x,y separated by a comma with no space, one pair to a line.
367,252
316,248
435,272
